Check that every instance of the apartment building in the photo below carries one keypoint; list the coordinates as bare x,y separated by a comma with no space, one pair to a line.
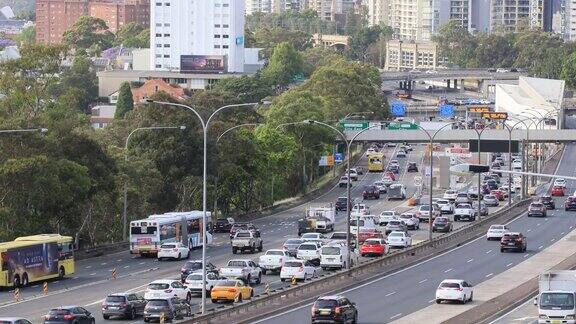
327,9
408,55
197,36
414,19
55,17
378,12
515,15
461,11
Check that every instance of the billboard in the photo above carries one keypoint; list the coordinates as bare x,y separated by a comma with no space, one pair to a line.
203,63
492,146
37,260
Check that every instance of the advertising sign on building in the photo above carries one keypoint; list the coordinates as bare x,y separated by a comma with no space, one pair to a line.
203,63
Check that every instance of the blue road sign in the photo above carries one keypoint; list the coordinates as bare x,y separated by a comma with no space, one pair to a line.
338,157
446,111
398,109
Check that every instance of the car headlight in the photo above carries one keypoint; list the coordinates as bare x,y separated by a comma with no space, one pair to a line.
543,317
570,317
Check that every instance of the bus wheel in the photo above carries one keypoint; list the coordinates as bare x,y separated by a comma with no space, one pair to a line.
61,273
16,281
24,280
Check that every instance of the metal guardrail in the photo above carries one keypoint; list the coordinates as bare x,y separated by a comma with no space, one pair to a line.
418,252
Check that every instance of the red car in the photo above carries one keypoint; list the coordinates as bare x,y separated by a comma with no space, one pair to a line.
557,191
498,194
369,234
390,174
374,247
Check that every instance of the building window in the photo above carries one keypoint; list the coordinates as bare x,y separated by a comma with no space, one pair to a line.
224,46
225,36
216,46
166,35
216,36
225,5
166,56
158,35
225,26
158,45
167,4
158,55
217,26
166,45
158,66
158,4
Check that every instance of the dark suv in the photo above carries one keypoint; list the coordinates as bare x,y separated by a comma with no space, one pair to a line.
341,203
334,309
68,315
243,227
570,203
191,266
412,167
124,305
371,192
223,225
537,209
513,241
548,202
173,308
442,224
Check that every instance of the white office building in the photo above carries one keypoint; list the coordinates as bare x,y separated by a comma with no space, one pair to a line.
197,35
378,12
253,6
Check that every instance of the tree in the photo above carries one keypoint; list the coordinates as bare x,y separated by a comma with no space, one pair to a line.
26,36
493,50
89,33
125,101
360,41
246,88
569,70
455,43
133,35
79,82
284,65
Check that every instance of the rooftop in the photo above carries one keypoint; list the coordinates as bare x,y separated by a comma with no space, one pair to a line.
165,74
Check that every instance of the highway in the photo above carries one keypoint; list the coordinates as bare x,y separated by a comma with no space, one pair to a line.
396,295
92,282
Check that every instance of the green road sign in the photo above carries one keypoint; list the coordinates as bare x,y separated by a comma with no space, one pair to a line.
404,125
353,125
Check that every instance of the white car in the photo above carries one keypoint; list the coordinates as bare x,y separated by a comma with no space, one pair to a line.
517,164
431,72
450,195
299,269
387,180
399,239
560,182
173,251
502,70
273,260
387,216
394,162
381,186
446,206
312,237
308,251
423,212
194,282
370,151
362,224
411,221
166,289
401,154
361,209
454,290
353,175
496,232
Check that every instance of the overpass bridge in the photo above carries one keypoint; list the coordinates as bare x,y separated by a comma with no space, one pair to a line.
451,74
463,135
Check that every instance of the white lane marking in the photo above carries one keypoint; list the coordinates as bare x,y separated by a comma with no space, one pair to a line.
538,224
488,251
141,263
445,271
73,278
103,263
546,219
93,274
489,275
126,267
431,301
540,247
395,316
390,294
552,240
88,267
57,281
529,230
526,255
509,264
469,260
422,281
562,233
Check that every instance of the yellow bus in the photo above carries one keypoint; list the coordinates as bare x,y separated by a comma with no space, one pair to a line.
376,162
35,258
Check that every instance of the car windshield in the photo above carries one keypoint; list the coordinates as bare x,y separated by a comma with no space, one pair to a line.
496,227
394,223
158,286
449,285
511,237
440,220
330,250
339,236
59,312
406,216
325,303
307,247
536,206
372,242
424,208
489,197
193,265
243,235
441,202
378,183
294,241
342,200
395,234
221,220
194,276
227,283
274,253
462,195
158,303
354,221
450,192
293,264
115,299
168,246
236,264
560,301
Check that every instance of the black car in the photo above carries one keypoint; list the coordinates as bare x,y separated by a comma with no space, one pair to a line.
371,192
191,266
124,305
69,315
223,225
412,167
334,309
492,184
341,204
173,308
442,224
548,202
513,241
360,170
570,203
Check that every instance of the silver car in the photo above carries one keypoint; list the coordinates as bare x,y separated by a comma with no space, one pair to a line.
491,201
483,208
396,226
462,198
381,186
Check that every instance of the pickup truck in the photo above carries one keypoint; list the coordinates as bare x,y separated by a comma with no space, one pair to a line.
273,260
464,211
246,240
245,270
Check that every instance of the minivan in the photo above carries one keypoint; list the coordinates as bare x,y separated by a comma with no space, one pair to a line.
333,256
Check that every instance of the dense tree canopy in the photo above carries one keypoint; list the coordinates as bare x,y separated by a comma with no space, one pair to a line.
89,33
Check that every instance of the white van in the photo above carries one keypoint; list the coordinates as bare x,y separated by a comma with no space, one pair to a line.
363,224
334,256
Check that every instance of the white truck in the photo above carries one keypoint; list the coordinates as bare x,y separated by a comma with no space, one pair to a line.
273,260
464,211
556,296
325,217
243,269
246,241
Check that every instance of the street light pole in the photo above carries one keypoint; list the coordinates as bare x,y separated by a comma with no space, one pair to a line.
432,137
205,126
348,148
30,130
479,133
125,209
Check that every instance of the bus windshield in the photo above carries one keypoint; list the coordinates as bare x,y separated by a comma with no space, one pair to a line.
558,301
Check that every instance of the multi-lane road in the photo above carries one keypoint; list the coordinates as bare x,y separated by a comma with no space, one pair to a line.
397,295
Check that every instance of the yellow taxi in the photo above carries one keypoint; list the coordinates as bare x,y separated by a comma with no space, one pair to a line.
231,290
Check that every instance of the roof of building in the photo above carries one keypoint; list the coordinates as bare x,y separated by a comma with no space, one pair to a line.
165,74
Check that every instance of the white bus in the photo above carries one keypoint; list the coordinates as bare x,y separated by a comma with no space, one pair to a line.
147,235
